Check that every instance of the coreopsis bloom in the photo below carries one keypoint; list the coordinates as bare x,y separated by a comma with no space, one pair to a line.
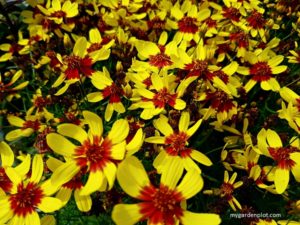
79,64
9,90
175,144
186,19
28,196
257,24
83,202
286,157
26,128
108,90
162,204
291,112
96,153
154,99
96,42
263,67
295,57
226,190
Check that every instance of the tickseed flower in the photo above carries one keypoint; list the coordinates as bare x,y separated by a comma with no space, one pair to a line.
287,158
291,112
96,42
295,57
187,20
263,67
257,24
227,190
9,90
175,144
27,127
162,204
83,202
108,89
79,64
28,196
96,153
160,94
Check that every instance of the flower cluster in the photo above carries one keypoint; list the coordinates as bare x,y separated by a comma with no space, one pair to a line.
179,111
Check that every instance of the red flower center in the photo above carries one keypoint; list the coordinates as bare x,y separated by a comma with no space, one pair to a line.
227,190
261,71
161,205
282,156
77,66
147,81
94,47
256,20
5,182
298,104
26,199
240,38
76,181
188,25
232,13
156,23
163,97
58,14
33,124
176,144
41,103
161,59
94,154
211,23
114,93
223,76
196,68
220,101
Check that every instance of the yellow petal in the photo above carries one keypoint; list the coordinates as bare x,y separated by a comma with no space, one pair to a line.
146,48
273,139
171,176
13,176
64,173
278,69
191,184
94,122
72,131
194,128
118,151
93,183
24,167
155,140
84,203
48,220
190,218
126,214
108,112
201,158
60,144
275,61
136,142
7,155
95,36
184,121
179,104
50,204
110,172
132,176
119,131
37,169
32,218
15,121
80,47
281,181
64,194
163,126
95,97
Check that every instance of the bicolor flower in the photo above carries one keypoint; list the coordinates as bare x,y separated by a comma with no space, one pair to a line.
175,144
161,204
287,158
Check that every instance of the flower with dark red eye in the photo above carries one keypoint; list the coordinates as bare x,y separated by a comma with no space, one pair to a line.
158,204
287,158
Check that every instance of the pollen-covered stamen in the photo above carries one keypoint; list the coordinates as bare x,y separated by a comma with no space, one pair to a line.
77,66
220,101
227,190
114,93
163,97
261,71
34,124
5,182
232,13
282,156
256,20
188,25
161,59
156,23
176,144
94,154
40,103
161,205
197,67
26,199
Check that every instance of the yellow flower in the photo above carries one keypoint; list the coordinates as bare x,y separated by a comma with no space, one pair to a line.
7,91
28,126
28,196
96,42
79,64
162,204
108,90
287,158
96,153
155,98
263,67
175,144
